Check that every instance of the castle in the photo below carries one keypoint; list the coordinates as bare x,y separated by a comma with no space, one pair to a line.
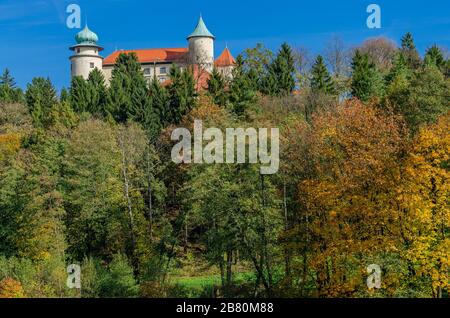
154,62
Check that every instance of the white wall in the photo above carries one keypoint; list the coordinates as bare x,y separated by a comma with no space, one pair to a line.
82,59
201,51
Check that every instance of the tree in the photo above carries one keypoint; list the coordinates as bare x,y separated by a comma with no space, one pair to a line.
381,52
366,80
119,281
80,94
409,50
428,99
182,93
10,288
216,88
423,207
128,93
9,93
256,62
321,80
241,93
97,93
280,79
40,97
160,102
93,193
435,57
337,56
349,175
302,66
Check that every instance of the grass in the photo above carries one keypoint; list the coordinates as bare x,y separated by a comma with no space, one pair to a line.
200,283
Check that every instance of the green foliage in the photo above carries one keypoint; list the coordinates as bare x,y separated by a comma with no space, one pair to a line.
321,80
409,51
119,281
241,93
435,57
279,79
9,93
40,97
216,88
182,93
366,79
128,97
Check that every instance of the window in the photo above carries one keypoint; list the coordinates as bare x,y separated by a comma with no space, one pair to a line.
162,79
92,65
146,71
163,70
78,50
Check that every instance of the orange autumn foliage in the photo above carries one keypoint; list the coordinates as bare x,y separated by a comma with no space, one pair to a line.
10,288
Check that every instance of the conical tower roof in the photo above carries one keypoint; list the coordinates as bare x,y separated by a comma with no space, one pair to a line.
225,59
201,30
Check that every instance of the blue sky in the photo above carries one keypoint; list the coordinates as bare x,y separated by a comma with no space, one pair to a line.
35,38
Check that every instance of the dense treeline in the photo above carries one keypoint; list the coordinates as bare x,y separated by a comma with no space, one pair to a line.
86,178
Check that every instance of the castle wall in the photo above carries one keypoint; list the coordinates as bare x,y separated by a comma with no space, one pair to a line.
201,52
85,60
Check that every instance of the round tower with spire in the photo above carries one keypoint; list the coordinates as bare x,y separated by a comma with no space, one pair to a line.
201,46
86,54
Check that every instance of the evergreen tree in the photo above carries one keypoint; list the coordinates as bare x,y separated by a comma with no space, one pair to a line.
321,80
435,57
410,52
80,94
64,96
399,68
119,281
160,102
241,93
9,93
182,93
128,94
280,79
216,88
40,97
7,79
97,92
366,80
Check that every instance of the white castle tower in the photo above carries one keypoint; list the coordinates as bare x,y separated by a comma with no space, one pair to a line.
86,54
201,46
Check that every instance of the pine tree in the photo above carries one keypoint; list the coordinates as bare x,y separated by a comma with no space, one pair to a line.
97,92
241,94
40,97
366,79
216,88
64,96
80,95
280,79
7,79
9,93
410,52
182,93
399,68
160,102
321,80
435,57
128,94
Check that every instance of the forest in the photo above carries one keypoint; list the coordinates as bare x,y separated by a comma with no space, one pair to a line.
86,178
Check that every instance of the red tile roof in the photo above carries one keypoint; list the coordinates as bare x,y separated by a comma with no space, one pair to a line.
225,59
151,55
